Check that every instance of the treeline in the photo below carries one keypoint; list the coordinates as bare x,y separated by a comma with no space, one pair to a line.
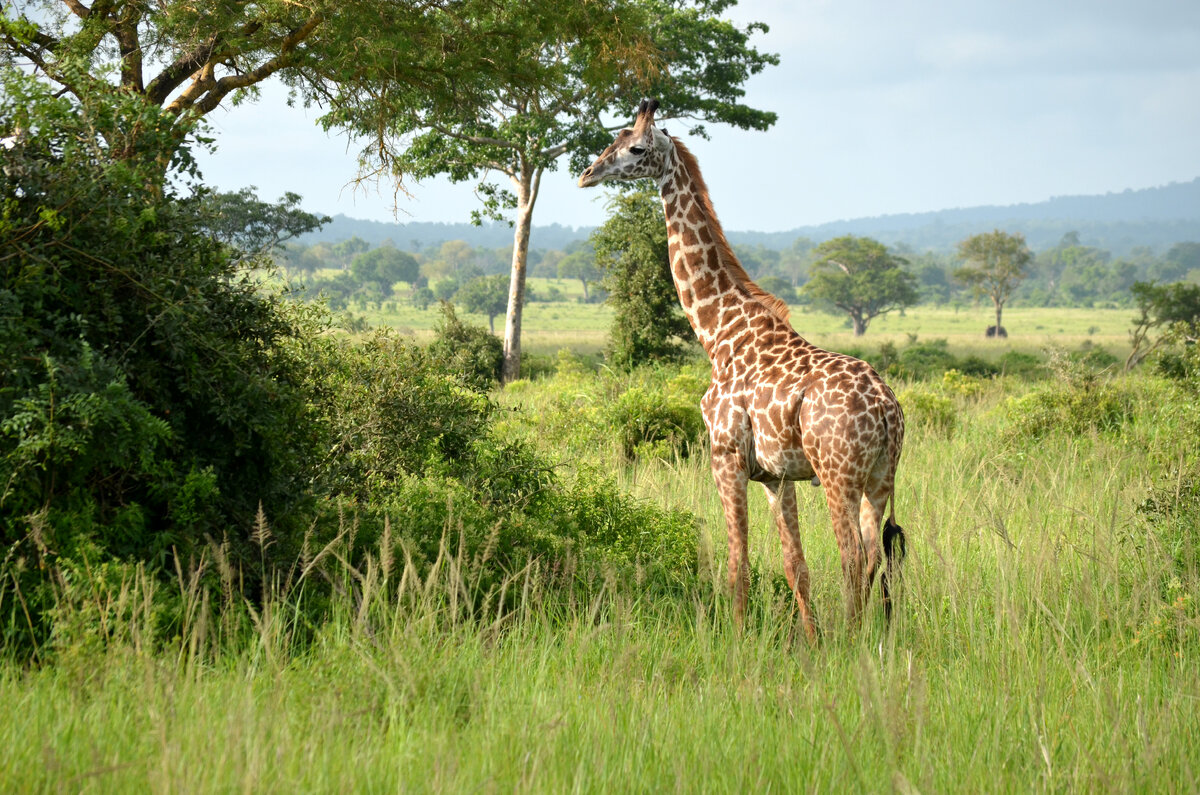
1068,273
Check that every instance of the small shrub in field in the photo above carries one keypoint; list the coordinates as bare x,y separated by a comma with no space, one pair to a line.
1094,357
1172,514
955,382
1069,409
925,407
923,359
654,423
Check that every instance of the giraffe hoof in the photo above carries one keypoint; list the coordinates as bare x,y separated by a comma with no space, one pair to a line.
816,481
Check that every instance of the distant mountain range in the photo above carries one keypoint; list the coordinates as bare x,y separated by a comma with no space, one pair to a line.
1155,217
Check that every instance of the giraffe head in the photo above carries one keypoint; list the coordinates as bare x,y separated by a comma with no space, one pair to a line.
638,151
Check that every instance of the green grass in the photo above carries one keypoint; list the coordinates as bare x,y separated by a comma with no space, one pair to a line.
1045,639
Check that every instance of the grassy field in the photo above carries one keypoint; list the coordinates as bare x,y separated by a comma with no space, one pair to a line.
583,328
1047,635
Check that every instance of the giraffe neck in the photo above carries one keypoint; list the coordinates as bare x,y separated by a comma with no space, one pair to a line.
716,294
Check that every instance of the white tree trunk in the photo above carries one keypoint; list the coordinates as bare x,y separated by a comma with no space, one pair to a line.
527,184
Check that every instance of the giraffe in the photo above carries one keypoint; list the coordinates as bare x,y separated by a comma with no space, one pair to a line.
778,409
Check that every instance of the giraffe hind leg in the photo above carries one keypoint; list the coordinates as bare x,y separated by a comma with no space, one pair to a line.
843,500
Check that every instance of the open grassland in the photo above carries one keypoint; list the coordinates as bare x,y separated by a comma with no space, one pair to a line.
549,327
1047,636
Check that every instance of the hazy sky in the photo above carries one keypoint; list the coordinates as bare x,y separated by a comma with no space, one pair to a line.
884,107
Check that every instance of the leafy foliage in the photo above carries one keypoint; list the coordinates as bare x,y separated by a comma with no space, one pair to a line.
658,424
858,276
151,393
631,251
468,350
1171,309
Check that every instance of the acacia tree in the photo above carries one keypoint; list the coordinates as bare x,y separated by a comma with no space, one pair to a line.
996,263
862,278
682,52
581,265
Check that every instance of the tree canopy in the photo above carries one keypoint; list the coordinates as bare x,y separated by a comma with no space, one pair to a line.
861,278
485,295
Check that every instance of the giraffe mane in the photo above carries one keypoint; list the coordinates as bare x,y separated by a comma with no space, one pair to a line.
773,303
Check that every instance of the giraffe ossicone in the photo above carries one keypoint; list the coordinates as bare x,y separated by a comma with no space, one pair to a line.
778,408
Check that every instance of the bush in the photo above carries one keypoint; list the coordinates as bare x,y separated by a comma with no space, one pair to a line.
627,530
654,424
1078,401
471,351
927,408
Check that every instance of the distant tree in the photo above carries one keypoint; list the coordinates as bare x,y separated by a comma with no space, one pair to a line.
484,295
579,265
444,289
1173,309
861,278
631,252
386,265
348,248
996,262
422,297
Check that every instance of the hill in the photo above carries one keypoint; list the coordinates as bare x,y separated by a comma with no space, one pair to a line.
1118,222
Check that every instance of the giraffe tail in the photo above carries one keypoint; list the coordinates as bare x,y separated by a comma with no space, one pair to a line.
893,550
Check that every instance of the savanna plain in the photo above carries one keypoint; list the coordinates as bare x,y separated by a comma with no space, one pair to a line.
1046,634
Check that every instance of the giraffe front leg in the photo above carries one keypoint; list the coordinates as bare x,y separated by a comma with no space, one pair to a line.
782,497
729,471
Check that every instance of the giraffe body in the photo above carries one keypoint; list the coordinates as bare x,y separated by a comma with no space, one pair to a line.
778,409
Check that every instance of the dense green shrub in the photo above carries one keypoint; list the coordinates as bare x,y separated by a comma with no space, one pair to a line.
1072,405
652,423
630,530
470,350
928,408
149,391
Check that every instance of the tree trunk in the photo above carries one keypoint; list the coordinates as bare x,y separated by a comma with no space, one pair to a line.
527,189
860,325
585,295
999,309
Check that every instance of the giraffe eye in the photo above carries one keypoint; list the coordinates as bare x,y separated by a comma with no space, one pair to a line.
637,150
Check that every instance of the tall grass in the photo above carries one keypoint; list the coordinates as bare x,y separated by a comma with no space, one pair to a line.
1044,639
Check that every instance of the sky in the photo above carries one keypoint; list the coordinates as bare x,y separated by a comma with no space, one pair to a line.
884,107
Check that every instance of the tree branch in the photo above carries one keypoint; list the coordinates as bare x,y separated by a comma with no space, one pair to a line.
481,140
78,8
213,91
